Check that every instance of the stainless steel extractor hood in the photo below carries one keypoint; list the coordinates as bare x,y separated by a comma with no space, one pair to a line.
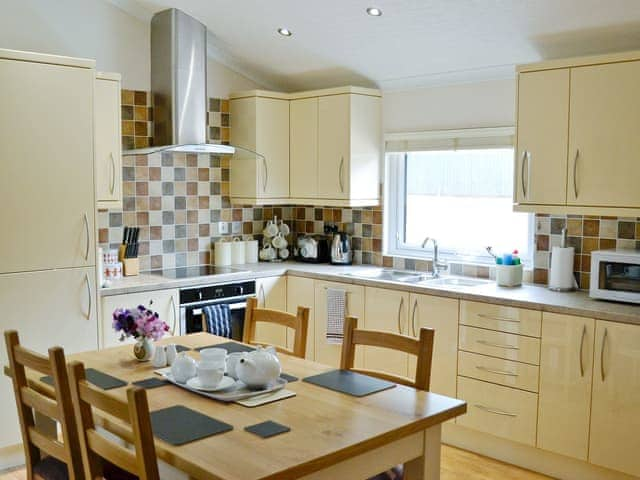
179,85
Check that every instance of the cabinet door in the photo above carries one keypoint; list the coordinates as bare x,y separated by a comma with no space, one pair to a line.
272,142
329,353
300,293
303,142
440,314
47,308
603,136
388,311
165,302
334,133
108,158
541,153
271,294
566,364
46,172
615,405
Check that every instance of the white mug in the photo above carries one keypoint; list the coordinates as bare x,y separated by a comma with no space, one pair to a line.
271,230
171,352
159,359
209,374
283,253
284,229
267,253
279,241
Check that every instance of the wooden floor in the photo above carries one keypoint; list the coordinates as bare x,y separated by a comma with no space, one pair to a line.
456,465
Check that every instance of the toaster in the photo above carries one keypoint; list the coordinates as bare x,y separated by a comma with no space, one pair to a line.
312,249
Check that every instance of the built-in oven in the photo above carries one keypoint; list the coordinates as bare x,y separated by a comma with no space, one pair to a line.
193,299
615,275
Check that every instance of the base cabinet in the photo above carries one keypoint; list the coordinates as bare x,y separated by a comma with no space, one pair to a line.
614,441
64,314
271,293
300,293
165,302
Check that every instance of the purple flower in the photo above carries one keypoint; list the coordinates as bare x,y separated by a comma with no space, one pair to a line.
138,322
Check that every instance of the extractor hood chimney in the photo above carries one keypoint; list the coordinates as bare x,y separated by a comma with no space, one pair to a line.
179,85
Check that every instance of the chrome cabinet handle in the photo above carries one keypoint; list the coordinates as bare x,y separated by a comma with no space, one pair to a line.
499,319
525,159
575,173
497,412
497,345
86,278
261,293
172,303
497,372
413,317
265,178
584,334
399,312
340,174
86,229
604,340
113,174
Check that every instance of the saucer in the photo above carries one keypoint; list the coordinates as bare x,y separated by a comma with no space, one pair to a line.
226,382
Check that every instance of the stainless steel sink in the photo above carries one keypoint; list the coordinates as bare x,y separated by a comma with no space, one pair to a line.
453,282
391,275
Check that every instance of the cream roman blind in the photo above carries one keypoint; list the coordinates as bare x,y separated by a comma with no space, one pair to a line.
467,139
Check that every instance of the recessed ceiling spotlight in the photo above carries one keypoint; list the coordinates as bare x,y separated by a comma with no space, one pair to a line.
374,12
285,32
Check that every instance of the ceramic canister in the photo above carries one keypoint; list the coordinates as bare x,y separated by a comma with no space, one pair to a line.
237,251
251,251
222,253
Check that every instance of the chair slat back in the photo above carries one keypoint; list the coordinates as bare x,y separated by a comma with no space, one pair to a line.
141,461
421,348
30,399
299,323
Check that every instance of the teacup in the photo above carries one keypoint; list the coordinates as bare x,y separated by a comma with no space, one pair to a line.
215,356
209,374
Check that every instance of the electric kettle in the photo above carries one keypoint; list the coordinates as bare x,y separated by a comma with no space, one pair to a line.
341,249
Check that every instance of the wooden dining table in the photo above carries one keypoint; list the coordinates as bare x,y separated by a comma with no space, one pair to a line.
333,435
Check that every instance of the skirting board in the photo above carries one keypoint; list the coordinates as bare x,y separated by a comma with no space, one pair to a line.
547,463
11,456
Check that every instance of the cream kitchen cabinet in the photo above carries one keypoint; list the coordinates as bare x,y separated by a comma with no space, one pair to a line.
165,302
259,124
614,441
47,308
303,148
566,366
107,141
329,353
46,172
300,293
541,152
603,136
387,311
271,293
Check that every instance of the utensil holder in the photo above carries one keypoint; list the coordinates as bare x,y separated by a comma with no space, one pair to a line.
131,266
509,275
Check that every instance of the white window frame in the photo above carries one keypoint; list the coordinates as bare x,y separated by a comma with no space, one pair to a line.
395,191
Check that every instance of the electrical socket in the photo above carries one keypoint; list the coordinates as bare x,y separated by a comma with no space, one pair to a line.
223,228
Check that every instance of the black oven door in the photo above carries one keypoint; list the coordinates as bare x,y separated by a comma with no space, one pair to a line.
192,320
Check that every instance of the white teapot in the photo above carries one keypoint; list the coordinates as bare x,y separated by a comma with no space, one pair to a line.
183,368
259,368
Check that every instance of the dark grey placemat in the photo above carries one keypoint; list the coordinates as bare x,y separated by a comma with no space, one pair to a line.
149,383
95,377
230,347
179,425
267,429
182,348
351,383
288,378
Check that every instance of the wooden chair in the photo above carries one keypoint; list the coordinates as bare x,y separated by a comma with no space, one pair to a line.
299,323
103,457
422,348
61,459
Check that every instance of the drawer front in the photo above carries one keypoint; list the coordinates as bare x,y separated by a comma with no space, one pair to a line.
500,411
498,317
497,370
501,345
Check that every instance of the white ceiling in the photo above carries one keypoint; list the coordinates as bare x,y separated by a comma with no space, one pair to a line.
414,43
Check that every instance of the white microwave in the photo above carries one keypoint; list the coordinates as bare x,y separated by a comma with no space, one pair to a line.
615,275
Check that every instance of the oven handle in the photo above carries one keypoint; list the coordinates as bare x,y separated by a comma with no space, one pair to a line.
232,306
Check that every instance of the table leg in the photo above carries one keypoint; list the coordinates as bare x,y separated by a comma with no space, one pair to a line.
426,467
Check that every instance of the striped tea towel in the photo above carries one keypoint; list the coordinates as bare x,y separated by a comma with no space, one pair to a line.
218,318
336,309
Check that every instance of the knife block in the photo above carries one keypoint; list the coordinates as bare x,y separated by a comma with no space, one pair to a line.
130,266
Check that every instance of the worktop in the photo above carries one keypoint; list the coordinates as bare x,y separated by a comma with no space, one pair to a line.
527,296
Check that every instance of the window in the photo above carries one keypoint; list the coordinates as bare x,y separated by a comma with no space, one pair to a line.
456,187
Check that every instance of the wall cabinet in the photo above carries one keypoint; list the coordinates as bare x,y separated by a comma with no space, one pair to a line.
107,141
566,365
614,441
271,293
590,170
165,302
259,124
300,293
303,148
329,353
